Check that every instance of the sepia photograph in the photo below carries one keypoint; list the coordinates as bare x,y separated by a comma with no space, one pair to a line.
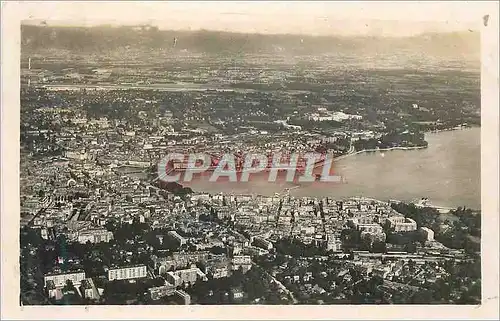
241,154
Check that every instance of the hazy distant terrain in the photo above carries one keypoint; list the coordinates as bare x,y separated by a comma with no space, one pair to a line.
437,71
107,38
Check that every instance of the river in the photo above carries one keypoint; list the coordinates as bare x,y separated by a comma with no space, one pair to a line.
448,172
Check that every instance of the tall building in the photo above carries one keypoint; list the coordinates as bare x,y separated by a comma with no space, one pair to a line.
402,224
371,228
95,236
127,273
161,291
88,289
333,243
177,237
243,261
190,276
218,269
59,279
44,234
262,243
184,296
427,233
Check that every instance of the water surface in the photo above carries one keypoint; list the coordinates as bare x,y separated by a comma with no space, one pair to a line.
448,172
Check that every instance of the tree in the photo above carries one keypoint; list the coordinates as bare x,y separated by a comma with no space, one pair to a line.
68,286
379,247
411,247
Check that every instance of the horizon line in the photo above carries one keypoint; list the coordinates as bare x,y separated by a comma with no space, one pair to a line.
64,24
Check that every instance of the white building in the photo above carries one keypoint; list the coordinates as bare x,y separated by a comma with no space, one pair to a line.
177,237
184,296
261,242
402,224
427,233
333,243
127,273
161,291
59,278
371,228
190,276
88,289
95,236
76,155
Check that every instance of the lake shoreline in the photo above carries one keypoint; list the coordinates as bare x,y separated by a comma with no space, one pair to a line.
369,177
406,148
378,150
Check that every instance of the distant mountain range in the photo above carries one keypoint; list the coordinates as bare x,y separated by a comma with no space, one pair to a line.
108,38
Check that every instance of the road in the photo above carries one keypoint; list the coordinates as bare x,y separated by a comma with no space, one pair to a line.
282,286
42,210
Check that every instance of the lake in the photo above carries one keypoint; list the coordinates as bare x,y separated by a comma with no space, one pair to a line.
448,172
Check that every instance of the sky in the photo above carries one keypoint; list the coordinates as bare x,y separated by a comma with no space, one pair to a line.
318,18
